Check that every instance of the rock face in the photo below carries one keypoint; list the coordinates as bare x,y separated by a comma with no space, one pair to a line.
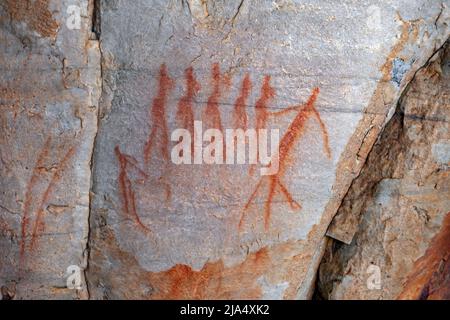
49,91
331,77
398,209
219,231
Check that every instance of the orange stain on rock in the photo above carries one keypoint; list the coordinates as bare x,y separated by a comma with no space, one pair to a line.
213,281
430,277
159,132
404,38
240,114
29,199
286,262
35,14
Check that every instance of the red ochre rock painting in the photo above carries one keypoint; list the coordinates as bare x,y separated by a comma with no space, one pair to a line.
37,198
185,113
159,135
213,280
240,115
294,132
218,83
158,114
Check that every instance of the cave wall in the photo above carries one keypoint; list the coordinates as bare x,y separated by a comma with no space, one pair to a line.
91,92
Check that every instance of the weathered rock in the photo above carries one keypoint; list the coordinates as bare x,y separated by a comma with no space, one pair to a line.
327,74
396,214
161,230
49,90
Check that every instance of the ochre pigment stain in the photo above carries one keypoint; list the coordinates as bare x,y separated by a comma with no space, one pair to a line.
29,199
159,133
43,199
35,14
181,282
430,276
185,113
126,187
294,132
240,115
47,194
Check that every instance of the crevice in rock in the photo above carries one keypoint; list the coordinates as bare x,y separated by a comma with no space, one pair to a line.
389,159
238,10
96,18
95,29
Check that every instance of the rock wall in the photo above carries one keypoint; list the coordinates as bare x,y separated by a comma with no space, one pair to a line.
395,216
93,91
49,91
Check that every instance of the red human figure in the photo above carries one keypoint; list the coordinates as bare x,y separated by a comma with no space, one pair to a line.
294,132
185,113
158,117
240,115
212,113
261,106
261,109
126,186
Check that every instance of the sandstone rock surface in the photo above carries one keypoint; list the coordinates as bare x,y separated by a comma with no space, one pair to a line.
87,177
218,231
49,91
397,212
